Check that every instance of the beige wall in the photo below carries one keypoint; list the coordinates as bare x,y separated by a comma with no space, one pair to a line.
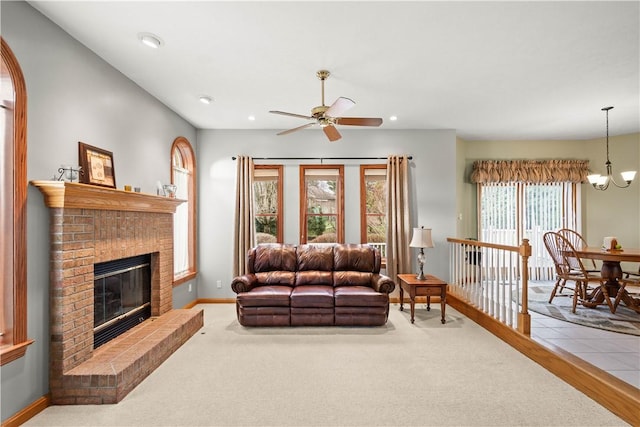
614,212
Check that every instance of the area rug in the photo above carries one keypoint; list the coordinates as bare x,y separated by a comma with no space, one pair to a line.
624,320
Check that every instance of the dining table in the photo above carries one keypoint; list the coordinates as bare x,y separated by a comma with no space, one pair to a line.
611,270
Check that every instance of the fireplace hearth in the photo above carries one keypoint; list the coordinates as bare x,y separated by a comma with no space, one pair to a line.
122,296
90,225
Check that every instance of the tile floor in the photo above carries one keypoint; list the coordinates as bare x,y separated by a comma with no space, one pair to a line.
616,353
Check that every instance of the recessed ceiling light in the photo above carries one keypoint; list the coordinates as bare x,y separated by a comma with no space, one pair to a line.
206,99
150,40
252,118
393,118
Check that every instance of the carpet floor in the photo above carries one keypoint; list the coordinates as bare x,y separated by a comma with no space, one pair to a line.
624,320
401,374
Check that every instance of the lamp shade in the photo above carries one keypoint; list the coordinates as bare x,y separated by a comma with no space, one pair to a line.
421,238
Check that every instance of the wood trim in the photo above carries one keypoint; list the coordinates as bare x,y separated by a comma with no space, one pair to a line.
280,221
339,201
30,411
303,206
19,203
363,198
363,205
183,146
612,393
60,194
209,301
11,353
280,189
184,278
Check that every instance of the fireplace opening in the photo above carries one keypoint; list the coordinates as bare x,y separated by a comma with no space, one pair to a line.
122,296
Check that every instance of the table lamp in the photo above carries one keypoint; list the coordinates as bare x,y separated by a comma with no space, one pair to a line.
421,239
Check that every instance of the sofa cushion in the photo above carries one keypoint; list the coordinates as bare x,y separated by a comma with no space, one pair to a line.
359,296
314,277
354,257
265,296
272,257
317,296
276,278
352,278
312,257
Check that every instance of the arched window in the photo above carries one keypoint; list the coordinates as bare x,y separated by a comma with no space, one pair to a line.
183,175
13,205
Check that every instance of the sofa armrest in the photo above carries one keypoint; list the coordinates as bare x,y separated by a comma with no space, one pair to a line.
382,283
244,283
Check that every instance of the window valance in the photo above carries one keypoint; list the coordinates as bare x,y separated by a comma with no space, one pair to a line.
530,171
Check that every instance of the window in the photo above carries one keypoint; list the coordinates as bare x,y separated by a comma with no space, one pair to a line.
183,172
267,193
13,198
373,206
321,204
510,212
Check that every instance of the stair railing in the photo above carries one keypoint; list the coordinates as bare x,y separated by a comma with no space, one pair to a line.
493,279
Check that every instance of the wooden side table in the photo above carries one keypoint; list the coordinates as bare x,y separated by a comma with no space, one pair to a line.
431,285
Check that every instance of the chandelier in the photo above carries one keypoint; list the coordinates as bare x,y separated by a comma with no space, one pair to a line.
601,182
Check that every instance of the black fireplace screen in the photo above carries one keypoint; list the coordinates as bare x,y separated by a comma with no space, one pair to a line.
122,296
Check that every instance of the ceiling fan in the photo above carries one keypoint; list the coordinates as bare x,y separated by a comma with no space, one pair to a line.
329,116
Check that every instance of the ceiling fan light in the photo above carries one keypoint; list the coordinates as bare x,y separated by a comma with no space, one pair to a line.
628,175
329,117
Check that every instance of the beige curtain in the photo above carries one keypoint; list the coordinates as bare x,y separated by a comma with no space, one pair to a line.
398,221
244,225
530,171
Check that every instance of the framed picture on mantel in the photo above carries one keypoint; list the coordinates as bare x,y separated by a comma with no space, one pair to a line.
97,166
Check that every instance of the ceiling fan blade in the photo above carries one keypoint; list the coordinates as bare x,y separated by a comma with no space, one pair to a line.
301,116
284,132
331,132
341,105
358,121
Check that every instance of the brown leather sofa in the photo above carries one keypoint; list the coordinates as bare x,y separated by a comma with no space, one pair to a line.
309,285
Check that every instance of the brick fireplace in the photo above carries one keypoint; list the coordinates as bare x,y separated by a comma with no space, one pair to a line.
90,225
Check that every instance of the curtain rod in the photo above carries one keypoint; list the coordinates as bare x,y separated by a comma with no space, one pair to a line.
321,158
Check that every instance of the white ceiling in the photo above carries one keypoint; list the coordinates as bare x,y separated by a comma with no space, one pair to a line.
491,70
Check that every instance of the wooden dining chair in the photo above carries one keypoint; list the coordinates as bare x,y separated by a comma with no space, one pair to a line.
586,277
571,270
632,274
578,242
563,271
629,279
